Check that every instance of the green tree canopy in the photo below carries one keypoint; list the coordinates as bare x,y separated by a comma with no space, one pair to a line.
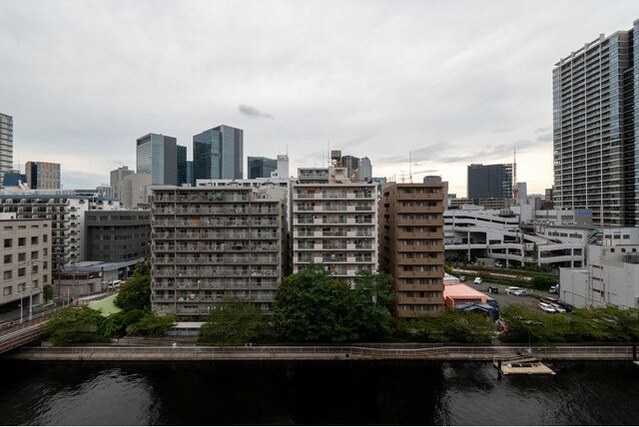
136,293
234,322
73,325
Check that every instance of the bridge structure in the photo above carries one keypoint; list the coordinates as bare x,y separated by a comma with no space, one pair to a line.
14,335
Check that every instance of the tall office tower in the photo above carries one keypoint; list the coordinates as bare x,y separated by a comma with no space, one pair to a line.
490,181
334,222
411,240
43,175
595,116
6,144
218,153
182,177
119,174
189,173
282,166
351,163
365,170
209,244
261,167
156,155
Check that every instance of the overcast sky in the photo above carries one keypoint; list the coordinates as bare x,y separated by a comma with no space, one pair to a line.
452,82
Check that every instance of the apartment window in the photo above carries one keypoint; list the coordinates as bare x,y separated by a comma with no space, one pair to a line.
8,259
22,241
34,284
34,254
8,274
34,269
22,272
34,240
21,287
22,256
8,243
45,238
7,291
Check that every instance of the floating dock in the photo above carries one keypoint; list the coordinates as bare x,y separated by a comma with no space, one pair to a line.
523,365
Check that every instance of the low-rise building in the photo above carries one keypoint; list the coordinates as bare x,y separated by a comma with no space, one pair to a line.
119,235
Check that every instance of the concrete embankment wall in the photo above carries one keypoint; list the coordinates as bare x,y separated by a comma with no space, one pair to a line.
318,353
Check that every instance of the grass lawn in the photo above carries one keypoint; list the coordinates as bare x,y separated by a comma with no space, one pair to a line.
105,306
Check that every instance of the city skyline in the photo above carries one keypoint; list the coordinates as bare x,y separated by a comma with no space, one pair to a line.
446,84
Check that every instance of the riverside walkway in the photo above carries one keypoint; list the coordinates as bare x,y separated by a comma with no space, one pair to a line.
397,352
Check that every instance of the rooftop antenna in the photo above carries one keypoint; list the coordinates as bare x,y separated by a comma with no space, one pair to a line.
410,166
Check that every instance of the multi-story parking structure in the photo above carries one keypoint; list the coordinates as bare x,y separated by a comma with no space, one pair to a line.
213,244
66,212
26,261
412,245
334,223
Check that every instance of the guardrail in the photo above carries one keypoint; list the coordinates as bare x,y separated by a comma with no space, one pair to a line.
197,352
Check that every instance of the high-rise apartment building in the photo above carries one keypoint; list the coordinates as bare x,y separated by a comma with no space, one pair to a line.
411,230
156,155
595,120
334,222
218,153
214,243
43,175
261,167
6,144
490,181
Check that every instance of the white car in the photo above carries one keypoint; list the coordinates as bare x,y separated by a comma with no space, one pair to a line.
477,281
547,307
558,308
512,289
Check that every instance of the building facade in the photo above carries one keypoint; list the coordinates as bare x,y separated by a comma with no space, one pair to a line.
119,174
134,190
120,235
595,121
6,144
261,167
218,153
212,244
490,181
156,155
334,223
43,175
26,261
411,225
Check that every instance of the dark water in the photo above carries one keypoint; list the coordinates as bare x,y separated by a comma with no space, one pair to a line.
314,393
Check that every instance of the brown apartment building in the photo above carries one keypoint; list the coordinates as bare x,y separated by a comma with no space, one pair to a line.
411,219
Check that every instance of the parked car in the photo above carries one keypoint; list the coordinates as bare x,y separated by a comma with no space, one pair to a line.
492,290
477,281
547,307
554,289
514,290
558,308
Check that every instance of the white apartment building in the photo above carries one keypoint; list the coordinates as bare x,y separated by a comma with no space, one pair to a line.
334,222
214,243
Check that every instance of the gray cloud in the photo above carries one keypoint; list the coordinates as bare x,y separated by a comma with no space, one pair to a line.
249,111
547,137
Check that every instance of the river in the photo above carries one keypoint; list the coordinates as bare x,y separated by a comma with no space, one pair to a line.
416,393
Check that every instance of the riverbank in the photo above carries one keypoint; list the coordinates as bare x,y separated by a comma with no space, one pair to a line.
181,352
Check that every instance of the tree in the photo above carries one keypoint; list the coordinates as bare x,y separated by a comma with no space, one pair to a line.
151,325
232,323
73,325
116,324
313,306
374,300
47,291
136,293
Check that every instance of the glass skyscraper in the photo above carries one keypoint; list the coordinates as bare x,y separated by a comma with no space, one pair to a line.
595,117
490,181
261,167
6,144
218,153
157,156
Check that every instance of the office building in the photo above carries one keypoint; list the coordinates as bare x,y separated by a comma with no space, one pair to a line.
119,174
182,172
134,190
214,243
365,170
282,166
6,144
118,235
411,226
13,178
43,175
334,222
218,153
595,138
490,181
156,155
261,167
26,261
